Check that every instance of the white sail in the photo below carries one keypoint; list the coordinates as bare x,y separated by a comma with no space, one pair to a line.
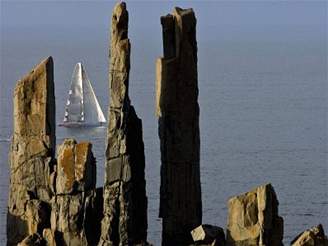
82,107
74,103
92,110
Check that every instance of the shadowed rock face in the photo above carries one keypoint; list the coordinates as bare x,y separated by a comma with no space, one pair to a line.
125,201
178,112
32,150
253,218
208,235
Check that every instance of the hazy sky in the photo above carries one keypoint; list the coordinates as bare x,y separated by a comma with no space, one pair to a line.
144,15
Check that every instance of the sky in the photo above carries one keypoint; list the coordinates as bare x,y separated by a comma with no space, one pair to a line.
144,15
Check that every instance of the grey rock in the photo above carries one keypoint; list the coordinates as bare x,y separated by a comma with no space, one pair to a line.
125,201
178,112
253,218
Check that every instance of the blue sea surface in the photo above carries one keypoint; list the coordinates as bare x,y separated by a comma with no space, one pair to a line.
262,95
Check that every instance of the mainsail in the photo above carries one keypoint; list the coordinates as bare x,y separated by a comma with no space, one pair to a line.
82,107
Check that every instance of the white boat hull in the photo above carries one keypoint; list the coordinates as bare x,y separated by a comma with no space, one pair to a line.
81,124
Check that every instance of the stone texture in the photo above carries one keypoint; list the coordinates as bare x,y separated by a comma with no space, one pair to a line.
49,237
178,112
125,201
37,216
253,218
55,199
76,169
32,240
311,237
32,150
75,194
208,235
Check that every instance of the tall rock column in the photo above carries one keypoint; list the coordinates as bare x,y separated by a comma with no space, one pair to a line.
125,201
32,152
178,112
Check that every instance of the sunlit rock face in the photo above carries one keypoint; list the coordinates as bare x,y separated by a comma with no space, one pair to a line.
73,214
76,168
314,236
125,201
253,218
178,112
49,201
32,151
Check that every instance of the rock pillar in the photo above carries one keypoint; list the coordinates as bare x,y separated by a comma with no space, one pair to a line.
73,214
125,201
32,150
178,112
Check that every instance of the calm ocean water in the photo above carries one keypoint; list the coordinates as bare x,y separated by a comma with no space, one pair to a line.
263,99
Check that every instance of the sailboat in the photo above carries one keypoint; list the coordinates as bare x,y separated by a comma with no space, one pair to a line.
82,107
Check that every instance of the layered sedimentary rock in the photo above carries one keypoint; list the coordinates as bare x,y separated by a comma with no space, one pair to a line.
312,237
208,235
178,112
253,218
32,153
125,201
71,214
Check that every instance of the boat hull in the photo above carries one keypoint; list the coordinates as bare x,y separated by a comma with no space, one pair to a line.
81,124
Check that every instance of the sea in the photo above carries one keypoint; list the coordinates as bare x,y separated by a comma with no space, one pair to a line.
262,77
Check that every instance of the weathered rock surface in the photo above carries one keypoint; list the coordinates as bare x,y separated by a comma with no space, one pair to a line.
253,218
125,201
32,152
312,237
178,112
75,193
32,240
49,237
45,193
37,215
76,168
208,235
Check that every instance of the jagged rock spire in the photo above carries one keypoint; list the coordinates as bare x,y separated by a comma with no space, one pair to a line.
178,112
32,148
125,201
